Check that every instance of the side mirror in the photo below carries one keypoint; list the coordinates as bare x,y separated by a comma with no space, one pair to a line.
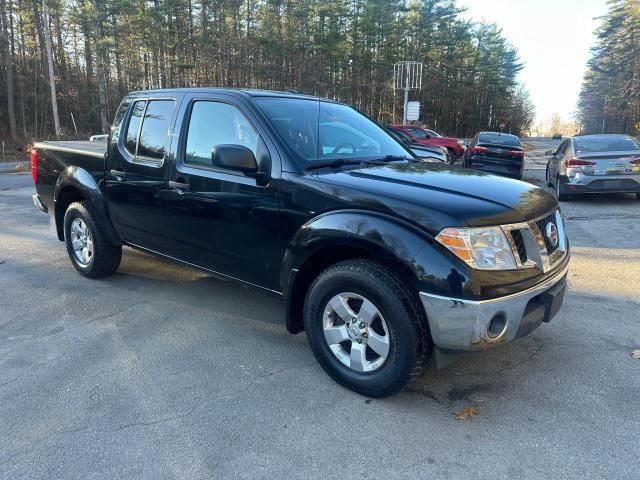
234,157
549,152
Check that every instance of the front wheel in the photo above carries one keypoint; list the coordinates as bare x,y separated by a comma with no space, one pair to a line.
452,156
366,328
89,250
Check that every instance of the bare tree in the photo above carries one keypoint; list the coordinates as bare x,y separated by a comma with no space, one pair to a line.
8,65
52,83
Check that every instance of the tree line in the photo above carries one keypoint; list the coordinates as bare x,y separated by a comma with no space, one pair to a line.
67,63
610,97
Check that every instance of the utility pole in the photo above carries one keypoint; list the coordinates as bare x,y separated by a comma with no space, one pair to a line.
52,83
407,76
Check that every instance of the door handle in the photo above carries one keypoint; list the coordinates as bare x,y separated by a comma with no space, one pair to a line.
119,174
180,187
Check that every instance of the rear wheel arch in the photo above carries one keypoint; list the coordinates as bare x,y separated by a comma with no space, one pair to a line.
75,184
65,197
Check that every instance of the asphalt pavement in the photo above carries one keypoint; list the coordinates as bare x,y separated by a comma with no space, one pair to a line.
161,371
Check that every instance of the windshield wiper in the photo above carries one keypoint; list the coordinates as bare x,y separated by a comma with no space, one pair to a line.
337,163
340,162
393,158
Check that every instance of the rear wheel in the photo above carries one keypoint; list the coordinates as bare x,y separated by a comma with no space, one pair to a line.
366,328
89,250
547,178
638,196
560,195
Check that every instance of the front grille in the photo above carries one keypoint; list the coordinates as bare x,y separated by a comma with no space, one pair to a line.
518,241
542,225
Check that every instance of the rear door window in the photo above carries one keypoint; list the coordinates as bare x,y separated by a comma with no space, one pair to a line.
148,129
155,129
499,139
134,126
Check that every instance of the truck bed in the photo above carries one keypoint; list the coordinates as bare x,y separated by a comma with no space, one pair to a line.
82,147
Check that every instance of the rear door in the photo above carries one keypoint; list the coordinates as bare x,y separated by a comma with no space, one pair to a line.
221,219
136,172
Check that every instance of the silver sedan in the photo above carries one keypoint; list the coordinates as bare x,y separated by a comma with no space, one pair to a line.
595,164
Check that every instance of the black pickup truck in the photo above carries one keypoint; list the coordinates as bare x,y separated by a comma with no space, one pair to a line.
379,257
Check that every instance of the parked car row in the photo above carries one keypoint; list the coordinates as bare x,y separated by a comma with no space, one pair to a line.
581,165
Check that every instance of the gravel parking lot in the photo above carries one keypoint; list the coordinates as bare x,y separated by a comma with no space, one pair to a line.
162,371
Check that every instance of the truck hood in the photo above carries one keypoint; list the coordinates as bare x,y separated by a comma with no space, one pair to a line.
435,196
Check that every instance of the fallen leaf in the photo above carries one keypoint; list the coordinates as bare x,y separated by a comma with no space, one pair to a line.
467,413
635,354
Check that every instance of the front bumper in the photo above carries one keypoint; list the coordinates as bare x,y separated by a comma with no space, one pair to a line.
459,325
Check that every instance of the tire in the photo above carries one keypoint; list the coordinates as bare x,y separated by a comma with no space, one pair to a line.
560,195
452,156
638,196
398,323
546,177
97,257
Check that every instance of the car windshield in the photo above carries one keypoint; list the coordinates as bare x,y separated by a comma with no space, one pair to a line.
606,144
499,139
324,131
417,132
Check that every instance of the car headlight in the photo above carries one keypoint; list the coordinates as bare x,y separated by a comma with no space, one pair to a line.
484,248
461,143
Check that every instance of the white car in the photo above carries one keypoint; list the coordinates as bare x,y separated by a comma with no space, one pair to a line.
595,164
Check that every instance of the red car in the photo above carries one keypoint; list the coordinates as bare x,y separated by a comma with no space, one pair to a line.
429,137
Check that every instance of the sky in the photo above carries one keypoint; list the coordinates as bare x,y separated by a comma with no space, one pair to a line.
553,38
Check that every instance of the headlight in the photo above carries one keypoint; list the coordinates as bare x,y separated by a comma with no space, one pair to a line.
482,248
461,143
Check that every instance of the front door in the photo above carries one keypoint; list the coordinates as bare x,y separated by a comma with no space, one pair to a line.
221,219
136,173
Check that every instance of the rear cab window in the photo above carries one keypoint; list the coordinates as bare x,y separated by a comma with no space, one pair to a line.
606,144
148,130
499,139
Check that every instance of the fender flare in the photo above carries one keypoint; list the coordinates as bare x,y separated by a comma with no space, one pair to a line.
381,236
83,182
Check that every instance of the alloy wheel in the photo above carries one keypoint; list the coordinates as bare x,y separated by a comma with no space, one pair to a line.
81,242
356,332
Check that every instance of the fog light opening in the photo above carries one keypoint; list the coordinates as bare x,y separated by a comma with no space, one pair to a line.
497,325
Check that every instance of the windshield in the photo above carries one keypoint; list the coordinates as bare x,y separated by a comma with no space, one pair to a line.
499,139
606,144
324,131
417,132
